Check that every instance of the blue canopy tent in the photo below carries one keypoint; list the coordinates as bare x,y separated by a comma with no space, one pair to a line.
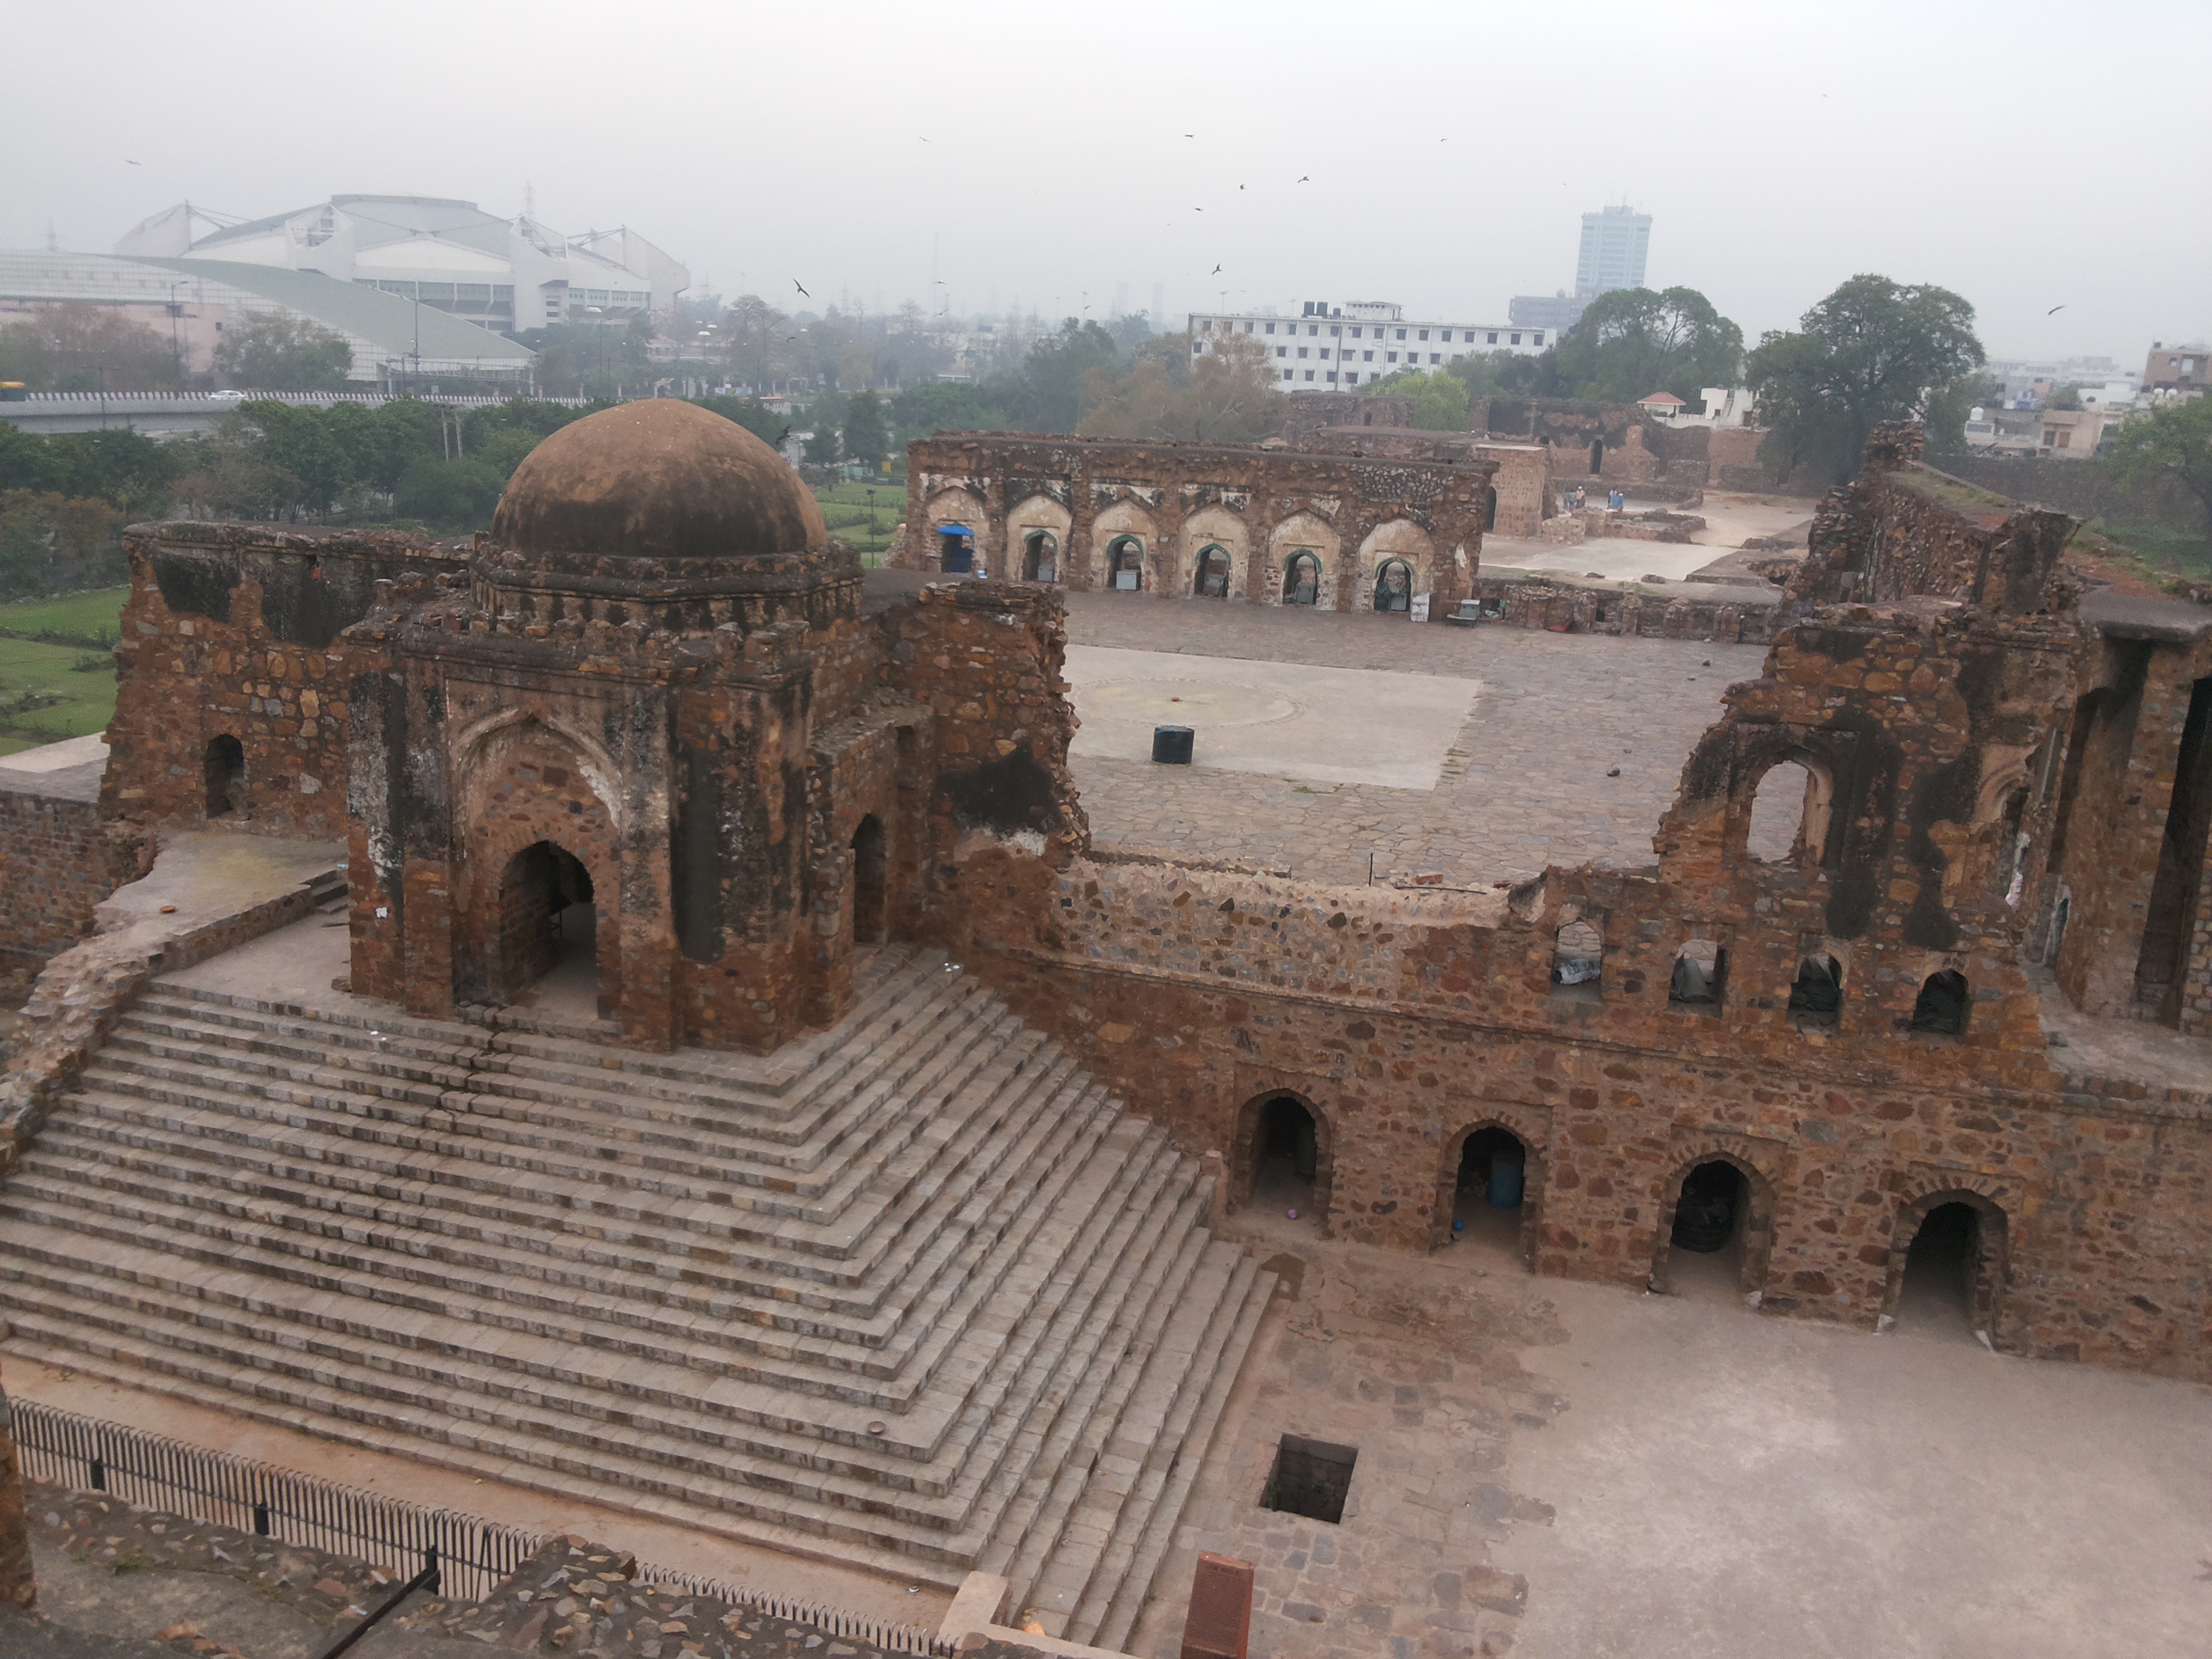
955,551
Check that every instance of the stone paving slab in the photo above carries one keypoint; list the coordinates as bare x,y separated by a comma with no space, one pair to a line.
1529,780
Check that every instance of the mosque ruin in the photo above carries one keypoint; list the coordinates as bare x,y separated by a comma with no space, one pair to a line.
739,1078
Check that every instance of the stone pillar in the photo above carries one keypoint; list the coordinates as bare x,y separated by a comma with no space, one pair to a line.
17,1587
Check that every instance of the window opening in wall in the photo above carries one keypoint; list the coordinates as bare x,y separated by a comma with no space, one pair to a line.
1285,1157
1493,1173
1302,578
1577,960
1212,581
1699,978
1311,1477
548,933
1125,564
1039,557
1781,814
1394,586
871,875
1490,508
2011,871
1940,1009
1597,456
223,769
1816,995
1941,1265
2178,885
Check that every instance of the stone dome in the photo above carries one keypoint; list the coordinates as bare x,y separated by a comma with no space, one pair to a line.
660,481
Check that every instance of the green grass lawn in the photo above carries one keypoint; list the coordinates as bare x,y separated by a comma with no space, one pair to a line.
30,673
87,616
845,510
2175,551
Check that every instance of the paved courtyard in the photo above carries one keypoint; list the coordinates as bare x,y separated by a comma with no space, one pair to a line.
1569,1471
1526,779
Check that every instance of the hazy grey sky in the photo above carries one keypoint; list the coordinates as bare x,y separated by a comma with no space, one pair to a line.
2026,155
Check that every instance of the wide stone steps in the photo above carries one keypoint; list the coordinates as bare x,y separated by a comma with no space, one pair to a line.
832,1480
384,1142
916,1293
348,1144
112,1162
585,1130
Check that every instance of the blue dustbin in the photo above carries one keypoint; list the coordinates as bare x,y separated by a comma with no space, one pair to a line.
1172,744
1504,1183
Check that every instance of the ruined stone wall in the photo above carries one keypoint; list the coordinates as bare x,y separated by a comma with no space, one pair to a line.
1162,506
1407,1019
57,861
1622,438
1532,602
1307,412
1732,459
232,630
1903,531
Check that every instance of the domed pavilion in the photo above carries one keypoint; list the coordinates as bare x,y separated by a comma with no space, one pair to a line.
654,766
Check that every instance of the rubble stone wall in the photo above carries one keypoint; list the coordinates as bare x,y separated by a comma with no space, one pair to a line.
232,630
1526,601
57,861
1406,1020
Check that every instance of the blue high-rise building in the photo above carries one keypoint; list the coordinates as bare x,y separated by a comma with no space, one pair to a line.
1614,242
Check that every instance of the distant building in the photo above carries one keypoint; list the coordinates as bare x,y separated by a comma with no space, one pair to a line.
2030,382
1661,406
2073,434
1357,343
1614,242
191,302
2176,370
1556,312
505,275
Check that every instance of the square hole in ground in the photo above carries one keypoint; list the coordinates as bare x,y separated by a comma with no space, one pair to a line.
1311,1477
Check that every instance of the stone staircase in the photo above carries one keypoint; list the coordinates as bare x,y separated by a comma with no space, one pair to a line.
916,1293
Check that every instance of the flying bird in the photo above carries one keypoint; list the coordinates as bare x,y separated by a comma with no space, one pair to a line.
1190,135
794,282
1305,178
2054,311
1216,271
128,163
781,435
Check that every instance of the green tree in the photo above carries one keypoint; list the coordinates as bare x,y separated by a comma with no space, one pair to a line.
2172,441
821,446
1228,395
1504,373
866,437
1633,342
1949,409
457,494
1049,397
1440,401
305,444
129,471
275,352
919,410
756,418
1873,350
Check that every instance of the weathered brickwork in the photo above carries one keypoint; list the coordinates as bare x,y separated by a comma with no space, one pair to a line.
58,860
231,631
1927,736
1202,520
1532,602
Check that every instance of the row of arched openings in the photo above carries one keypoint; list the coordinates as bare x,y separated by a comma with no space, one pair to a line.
1948,1249
1698,982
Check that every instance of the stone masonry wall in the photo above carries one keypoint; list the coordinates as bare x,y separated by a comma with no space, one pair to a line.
232,630
57,862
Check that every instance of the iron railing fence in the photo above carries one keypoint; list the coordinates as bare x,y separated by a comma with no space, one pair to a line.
473,1555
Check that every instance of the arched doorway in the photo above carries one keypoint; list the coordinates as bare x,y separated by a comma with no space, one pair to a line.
1394,586
1302,578
223,771
1039,557
1494,1196
1716,1232
1597,456
547,954
956,548
1212,581
1947,1273
1490,508
1125,564
1282,1160
871,873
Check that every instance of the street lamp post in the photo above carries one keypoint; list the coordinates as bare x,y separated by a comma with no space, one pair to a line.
599,335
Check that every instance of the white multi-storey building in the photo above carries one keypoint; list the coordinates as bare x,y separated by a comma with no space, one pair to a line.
1357,343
